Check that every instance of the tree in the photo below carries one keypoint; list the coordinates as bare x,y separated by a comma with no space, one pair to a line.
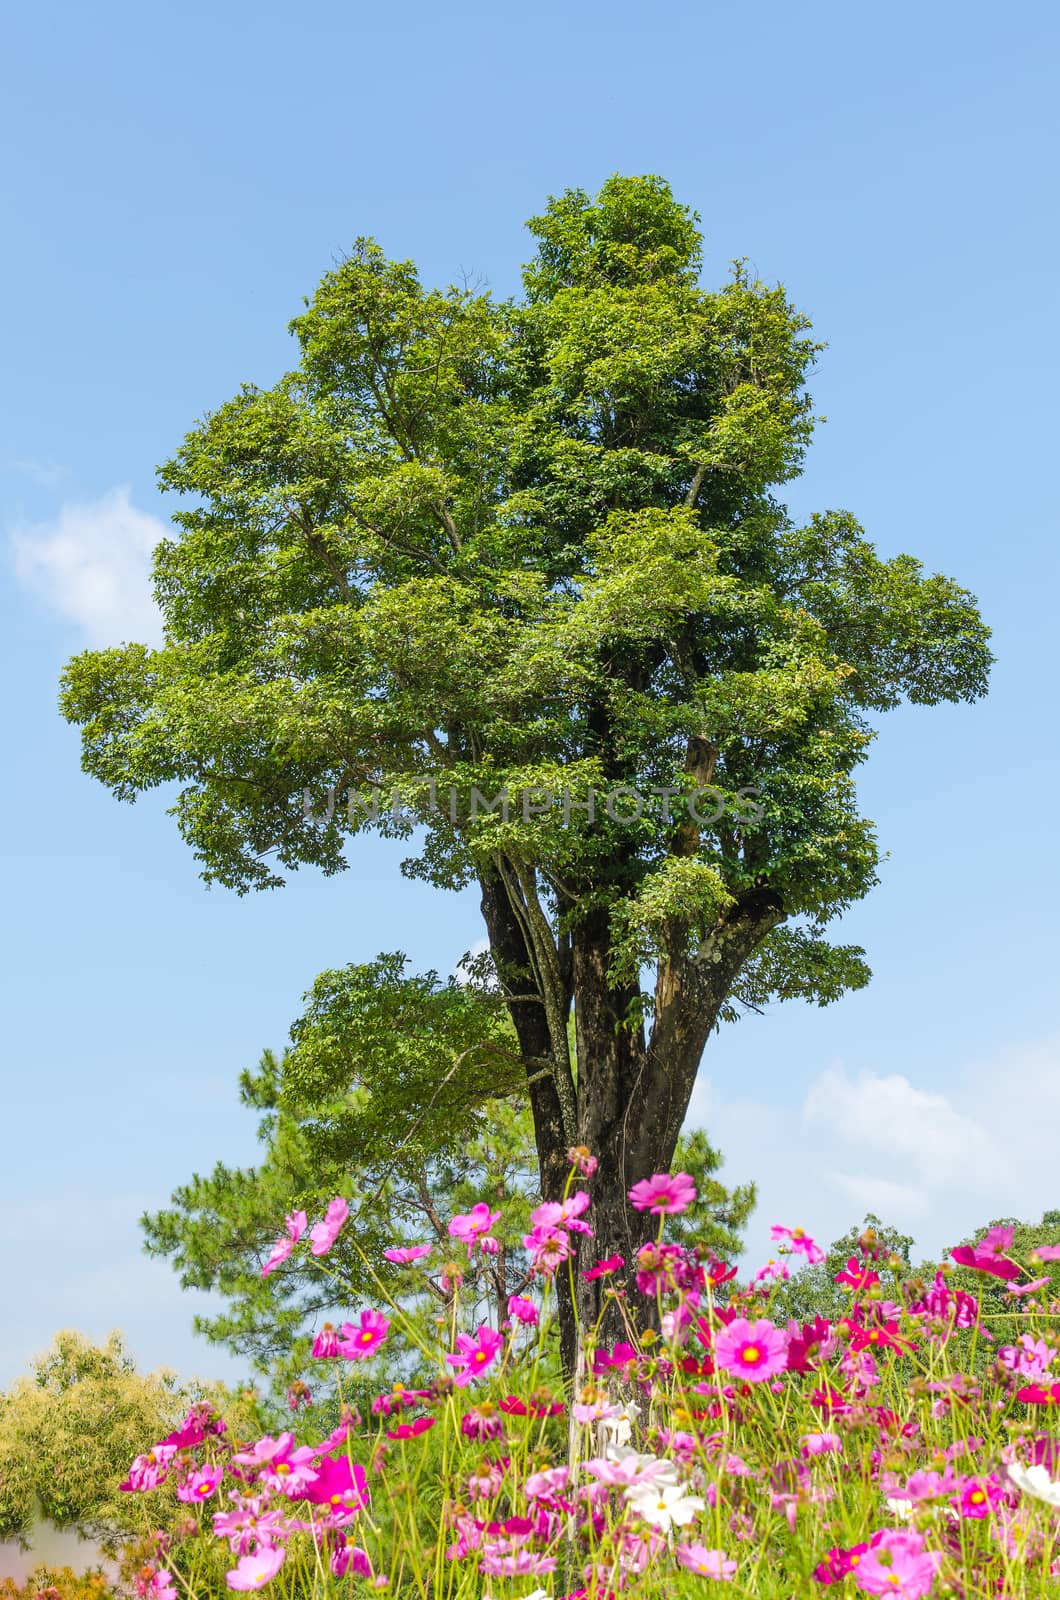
69,1431
387,1095
520,566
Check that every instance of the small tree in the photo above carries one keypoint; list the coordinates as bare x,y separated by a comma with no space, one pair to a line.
69,1431
520,566
388,1096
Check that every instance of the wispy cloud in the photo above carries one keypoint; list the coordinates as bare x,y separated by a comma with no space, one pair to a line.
44,473
91,566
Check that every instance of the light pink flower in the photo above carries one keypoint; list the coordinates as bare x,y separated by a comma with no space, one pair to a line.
563,1213
708,1563
323,1234
253,1572
751,1350
663,1195
908,1572
819,1444
402,1255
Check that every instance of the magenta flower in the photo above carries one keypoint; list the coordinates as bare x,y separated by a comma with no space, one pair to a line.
364,1338
751,1350
338,1484
473,1224
662,1195
604,1268
253,1572
989,1254
523,1311
474,1355
799,1240
402,1255
323,1234
897,1564
411,1430
327,1343
297,1222
200,1485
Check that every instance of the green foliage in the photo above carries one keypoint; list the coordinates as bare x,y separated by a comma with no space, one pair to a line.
70,1429
720,1213
531,544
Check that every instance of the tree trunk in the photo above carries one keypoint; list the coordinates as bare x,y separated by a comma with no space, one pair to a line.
631,1093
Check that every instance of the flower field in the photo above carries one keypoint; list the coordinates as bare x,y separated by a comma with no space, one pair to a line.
901,1449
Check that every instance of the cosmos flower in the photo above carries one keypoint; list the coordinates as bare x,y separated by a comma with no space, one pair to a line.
707,1563
751,1350
799,1240
253,1572
474,1355
323,1234
362,1339
663,1195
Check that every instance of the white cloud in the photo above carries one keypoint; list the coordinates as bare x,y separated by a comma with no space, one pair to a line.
890,1115
91,565
937,1163
889,1200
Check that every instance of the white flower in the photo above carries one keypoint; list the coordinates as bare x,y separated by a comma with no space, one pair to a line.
618,1428
1035,1481
664,1504
899,1507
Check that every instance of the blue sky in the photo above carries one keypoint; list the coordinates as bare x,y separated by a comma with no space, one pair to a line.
178,178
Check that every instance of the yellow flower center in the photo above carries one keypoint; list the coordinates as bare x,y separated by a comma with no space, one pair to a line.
750,1354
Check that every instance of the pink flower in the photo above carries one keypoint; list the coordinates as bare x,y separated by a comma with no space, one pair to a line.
162,1586
482,1422
406,1253
297,1222
327,1343
799,1240
514,1566
474,1355
200,1485
662,1195
604,1268
751,1350
252,1572
979,1498
819,1444
897,1564
473,1224
1047,1252
323,1234
708,1563
523,1311
364,1338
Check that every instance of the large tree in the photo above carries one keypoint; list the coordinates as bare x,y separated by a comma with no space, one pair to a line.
470,546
